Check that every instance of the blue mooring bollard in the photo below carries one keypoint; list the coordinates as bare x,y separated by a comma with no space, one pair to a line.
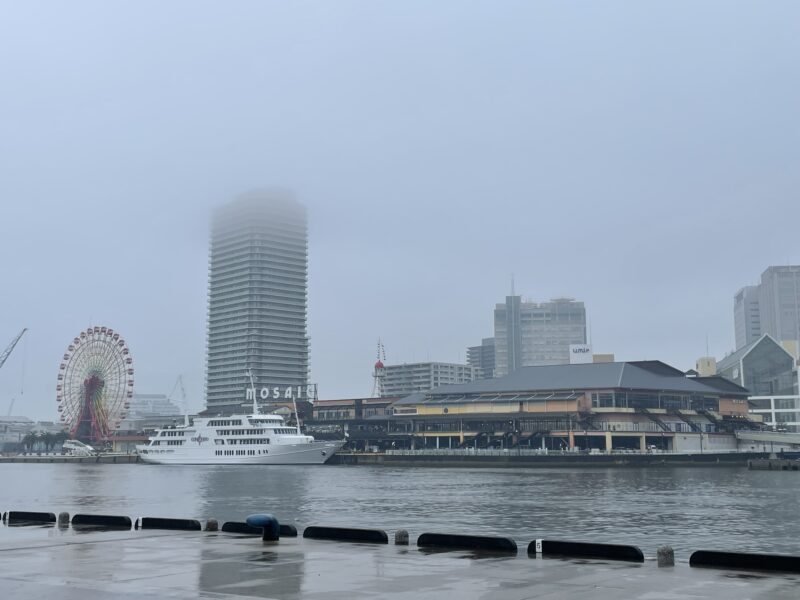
269,524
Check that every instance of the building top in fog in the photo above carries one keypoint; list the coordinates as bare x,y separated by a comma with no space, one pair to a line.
746,315
771,307
257,297
536,333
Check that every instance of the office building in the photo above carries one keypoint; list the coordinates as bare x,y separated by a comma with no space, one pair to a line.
534,334
746,315
257,297
400,380
772,307
482,357
780,302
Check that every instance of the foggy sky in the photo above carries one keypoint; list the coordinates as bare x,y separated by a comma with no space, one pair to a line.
641,157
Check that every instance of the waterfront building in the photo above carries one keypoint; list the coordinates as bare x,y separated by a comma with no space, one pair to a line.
352,408
764,367
407,378
636,406
482,357
770,372
359,420
781,412
530,333
257,297
772,307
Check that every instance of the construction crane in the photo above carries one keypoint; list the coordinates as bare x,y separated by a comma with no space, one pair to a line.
7,352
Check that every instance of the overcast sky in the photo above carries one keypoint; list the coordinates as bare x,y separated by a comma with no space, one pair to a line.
643,157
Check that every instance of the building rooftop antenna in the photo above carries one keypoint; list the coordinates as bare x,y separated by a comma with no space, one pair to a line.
378,372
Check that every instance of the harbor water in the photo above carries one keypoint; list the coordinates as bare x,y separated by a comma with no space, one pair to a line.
690,509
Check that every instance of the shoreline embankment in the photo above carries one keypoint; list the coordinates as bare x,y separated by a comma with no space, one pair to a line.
511,460
63,458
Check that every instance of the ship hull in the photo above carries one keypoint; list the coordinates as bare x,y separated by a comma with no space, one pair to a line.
314,453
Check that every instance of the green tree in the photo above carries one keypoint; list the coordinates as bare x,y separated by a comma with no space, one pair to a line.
29,440
59,439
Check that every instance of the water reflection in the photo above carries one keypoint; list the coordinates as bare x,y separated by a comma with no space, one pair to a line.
687,508
262,573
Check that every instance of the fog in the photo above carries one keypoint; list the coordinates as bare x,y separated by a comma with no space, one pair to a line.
640,157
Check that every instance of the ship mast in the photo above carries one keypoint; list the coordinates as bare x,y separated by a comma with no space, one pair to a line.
296,415
253,389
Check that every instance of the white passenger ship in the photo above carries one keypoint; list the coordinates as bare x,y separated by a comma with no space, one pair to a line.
238,439
253,439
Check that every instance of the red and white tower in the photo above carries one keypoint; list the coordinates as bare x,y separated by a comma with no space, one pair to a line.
378,371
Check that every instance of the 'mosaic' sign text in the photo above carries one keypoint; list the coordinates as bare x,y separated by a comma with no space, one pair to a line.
283,392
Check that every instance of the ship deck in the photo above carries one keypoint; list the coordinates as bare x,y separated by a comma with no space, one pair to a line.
48,562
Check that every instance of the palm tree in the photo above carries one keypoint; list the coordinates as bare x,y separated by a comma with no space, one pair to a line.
29,440
59,438
47,440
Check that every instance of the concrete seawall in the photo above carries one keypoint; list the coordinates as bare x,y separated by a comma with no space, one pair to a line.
57,458
775,464
733,459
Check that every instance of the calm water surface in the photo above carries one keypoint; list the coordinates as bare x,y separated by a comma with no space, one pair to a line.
720,508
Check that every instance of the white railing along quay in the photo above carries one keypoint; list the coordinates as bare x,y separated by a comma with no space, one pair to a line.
538,452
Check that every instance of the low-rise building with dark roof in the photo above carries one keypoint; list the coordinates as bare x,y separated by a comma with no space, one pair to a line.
632,406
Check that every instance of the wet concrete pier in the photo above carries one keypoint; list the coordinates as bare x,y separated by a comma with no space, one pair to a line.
88,563
774,464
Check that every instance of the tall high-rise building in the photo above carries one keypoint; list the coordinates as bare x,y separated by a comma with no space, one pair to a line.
530,334
780,303
771,307
482,357
257,297
746,315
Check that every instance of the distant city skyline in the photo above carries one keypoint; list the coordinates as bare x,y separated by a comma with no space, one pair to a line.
592,151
